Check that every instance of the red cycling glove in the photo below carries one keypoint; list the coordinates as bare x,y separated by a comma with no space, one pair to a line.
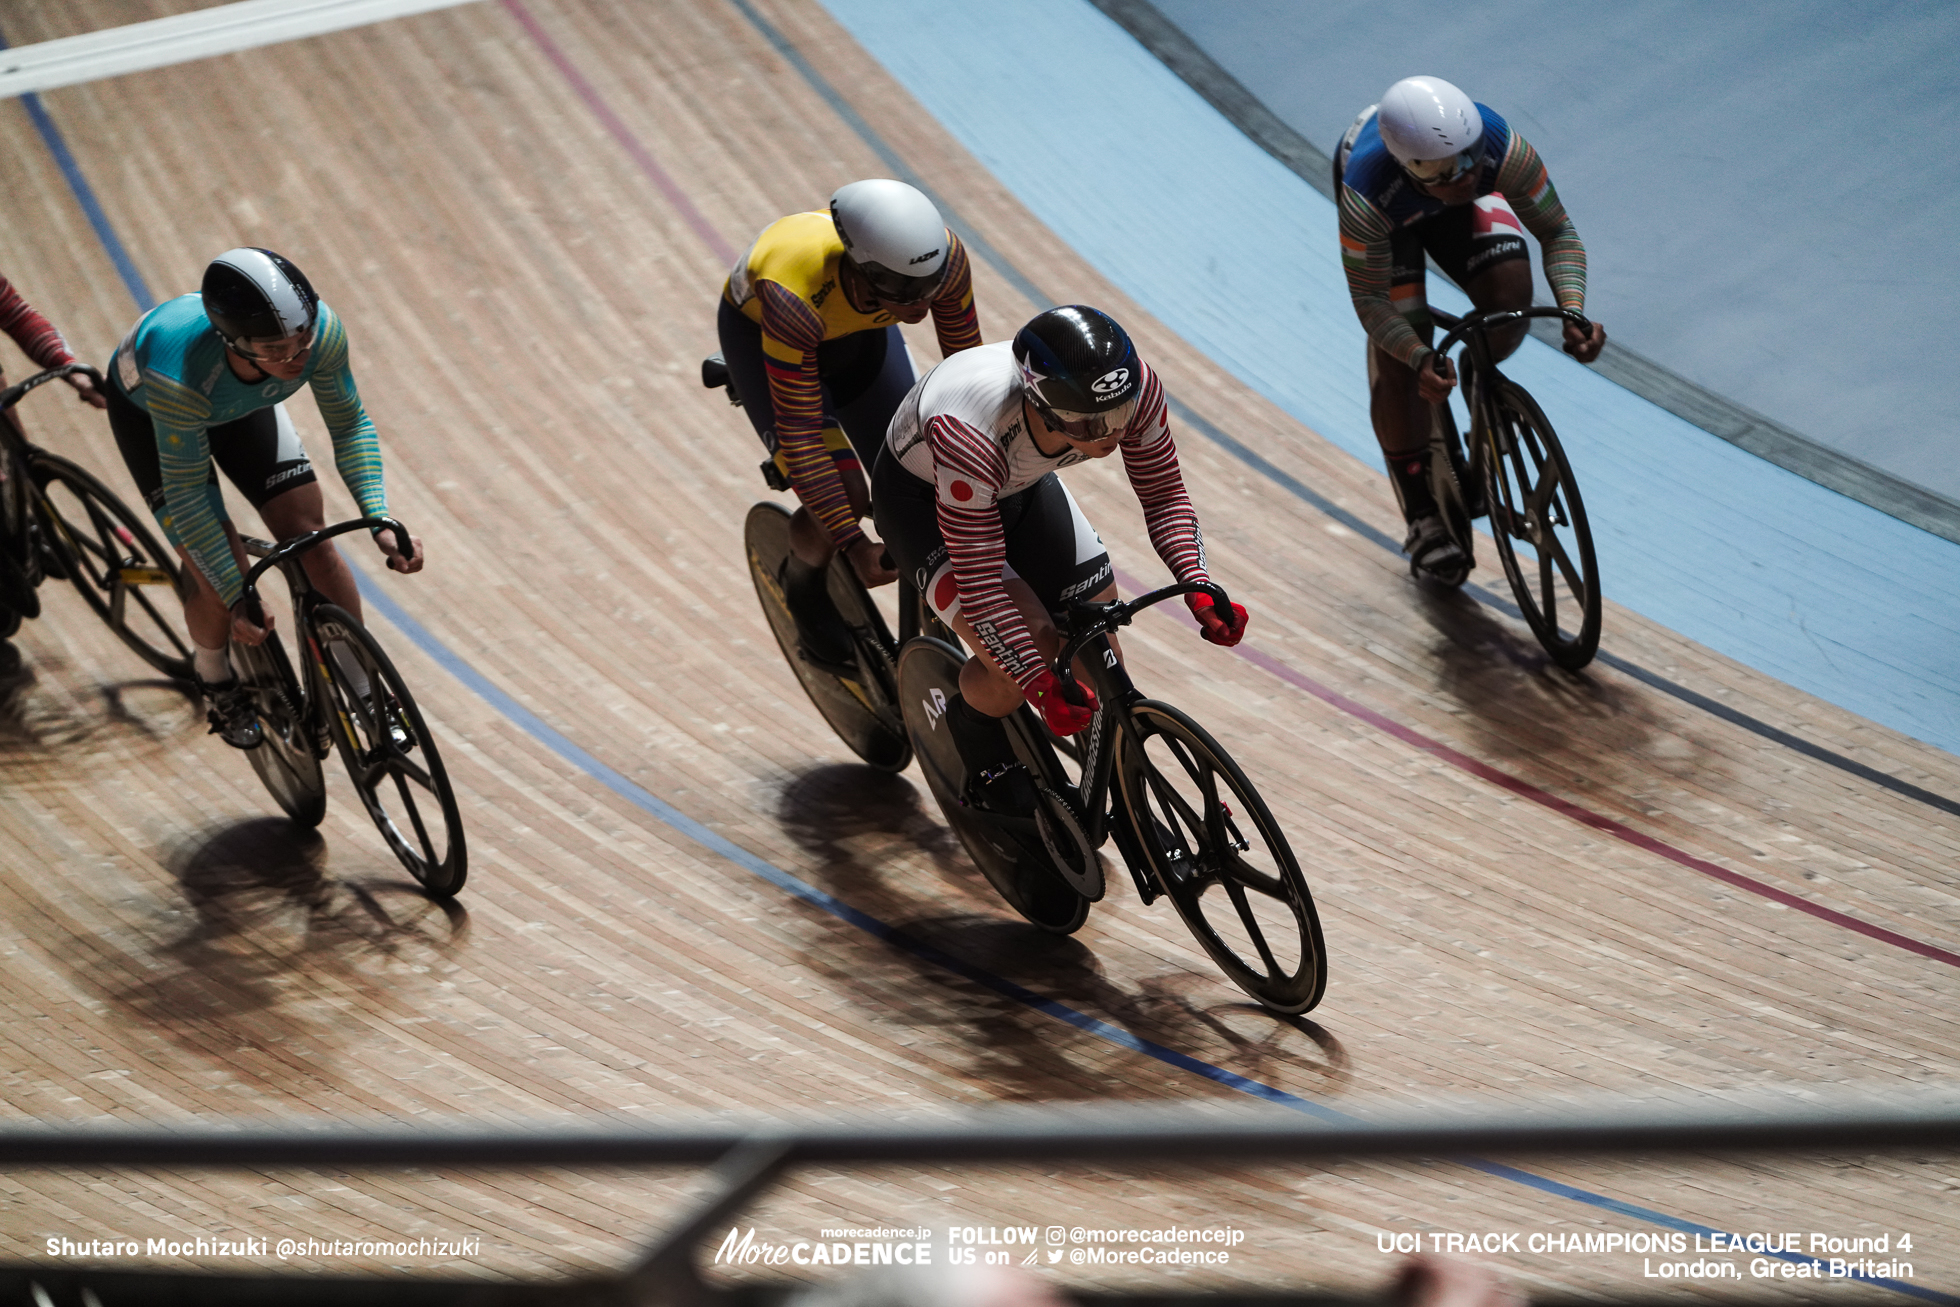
1063,717
1213,627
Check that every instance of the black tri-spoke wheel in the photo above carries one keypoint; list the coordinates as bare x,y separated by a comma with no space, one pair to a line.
1539,523
287,757
390,755
115,560
1017,864
860,708
1221,859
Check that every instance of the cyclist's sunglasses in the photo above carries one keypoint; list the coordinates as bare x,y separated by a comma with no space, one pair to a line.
1441,172
284,349
1089,427
897,288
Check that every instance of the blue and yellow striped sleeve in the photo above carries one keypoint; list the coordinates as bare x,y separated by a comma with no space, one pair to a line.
182,416
356,444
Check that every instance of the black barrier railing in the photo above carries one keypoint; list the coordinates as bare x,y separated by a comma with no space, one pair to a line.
744,1159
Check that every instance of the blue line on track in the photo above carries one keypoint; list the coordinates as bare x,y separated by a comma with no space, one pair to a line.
714,842
85,196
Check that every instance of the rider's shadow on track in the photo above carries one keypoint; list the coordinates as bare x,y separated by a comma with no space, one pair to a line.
867,829
273,933
1530,716
39,719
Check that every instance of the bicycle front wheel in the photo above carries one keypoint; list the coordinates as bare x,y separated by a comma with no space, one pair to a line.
1539,523
285,758
863,710
1221,859
122,571
390,755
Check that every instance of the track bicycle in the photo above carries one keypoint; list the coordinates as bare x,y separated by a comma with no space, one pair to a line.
1519,471
390,755
1188,823
862,708
57,520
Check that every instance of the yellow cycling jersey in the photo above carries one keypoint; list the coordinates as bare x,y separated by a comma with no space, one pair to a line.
800,253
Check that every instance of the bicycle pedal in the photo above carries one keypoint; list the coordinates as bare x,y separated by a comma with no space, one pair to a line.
979,795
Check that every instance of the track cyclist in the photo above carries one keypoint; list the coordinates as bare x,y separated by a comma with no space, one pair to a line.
970,506
1428,170
809,317
198,381
42,343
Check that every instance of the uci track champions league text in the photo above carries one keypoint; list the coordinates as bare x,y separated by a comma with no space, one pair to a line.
1675,1255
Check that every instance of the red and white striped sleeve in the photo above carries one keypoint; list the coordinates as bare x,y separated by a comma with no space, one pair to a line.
1150,457
791,334
968,470
35,335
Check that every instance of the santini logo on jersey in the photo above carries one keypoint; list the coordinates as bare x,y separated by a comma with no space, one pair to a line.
1111,382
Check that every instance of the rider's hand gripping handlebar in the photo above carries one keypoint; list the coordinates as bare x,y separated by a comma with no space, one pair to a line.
248,599
1089,620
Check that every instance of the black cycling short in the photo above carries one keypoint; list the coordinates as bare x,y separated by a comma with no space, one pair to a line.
1464,239
1050,544
259,453
863,376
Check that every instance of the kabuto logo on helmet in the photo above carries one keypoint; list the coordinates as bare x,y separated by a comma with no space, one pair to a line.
1111,382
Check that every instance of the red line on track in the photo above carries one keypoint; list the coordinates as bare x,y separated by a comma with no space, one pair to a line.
1565,807
622,133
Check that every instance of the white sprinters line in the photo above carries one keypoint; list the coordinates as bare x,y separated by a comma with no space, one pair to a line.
184,37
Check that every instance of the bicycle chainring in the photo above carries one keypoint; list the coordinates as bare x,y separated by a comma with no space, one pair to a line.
1068,846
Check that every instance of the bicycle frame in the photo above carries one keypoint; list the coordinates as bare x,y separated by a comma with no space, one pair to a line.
1474,328
285,556
1090,625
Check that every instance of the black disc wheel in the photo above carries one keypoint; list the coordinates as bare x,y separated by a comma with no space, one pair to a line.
1219,856
1016,863
861,708
390,755
1539,523
287,758
115,560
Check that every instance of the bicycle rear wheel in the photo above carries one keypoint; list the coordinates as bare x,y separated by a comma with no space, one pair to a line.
863,710
390,755
1221,859
285,758
122,571
1539,523
928,678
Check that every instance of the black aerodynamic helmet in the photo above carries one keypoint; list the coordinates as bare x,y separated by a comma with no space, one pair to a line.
253,294
1080,370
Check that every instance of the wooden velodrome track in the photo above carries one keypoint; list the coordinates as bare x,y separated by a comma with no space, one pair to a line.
524,212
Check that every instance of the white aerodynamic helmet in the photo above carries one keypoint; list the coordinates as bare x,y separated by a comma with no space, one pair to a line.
1431,128
894,236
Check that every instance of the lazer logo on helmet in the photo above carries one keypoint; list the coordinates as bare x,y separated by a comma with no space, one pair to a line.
927,257
1111,382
